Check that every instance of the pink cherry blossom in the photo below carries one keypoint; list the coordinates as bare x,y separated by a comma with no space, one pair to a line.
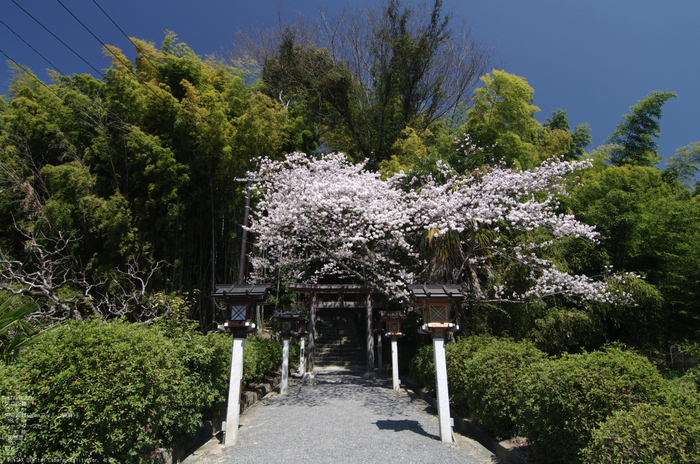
325,216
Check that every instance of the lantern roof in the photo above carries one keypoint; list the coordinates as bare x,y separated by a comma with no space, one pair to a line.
453,292
395,314
329,288
254,292
287,314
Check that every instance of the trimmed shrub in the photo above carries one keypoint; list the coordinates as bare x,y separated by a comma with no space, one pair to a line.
660,434
207,364
422,367
489,379
262,357
668,432
13,405
457,355
106,391
561,401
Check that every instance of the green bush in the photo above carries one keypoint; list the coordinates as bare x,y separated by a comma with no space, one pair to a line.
109,391
489,378
561,401
667,432
262,357
13,403
660,433
422,367
207,364
457,355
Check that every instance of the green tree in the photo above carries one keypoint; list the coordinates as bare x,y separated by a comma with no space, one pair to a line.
366,76
650,227
633,140
684,165
580,136
503,119
139,166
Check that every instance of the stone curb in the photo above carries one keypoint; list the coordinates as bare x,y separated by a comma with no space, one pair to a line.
468,428
211,428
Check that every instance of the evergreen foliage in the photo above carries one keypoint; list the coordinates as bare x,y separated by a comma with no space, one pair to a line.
561,401
633,140
117,391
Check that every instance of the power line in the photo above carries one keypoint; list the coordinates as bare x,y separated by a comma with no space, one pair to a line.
123,33
56,37
35,51
29,73
126,66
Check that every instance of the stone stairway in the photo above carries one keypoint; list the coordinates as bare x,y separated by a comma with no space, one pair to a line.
338,342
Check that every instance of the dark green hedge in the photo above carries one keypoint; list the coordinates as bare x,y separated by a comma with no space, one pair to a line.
116,391
664,433
561,401
262,357
488,380
609,406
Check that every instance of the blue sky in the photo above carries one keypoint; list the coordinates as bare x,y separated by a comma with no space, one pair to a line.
594,58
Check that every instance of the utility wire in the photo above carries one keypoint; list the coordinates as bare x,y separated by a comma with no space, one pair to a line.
29,73
126,66
122,31
35,51
56,37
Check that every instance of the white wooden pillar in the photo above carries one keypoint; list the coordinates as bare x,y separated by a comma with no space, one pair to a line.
285,366
312,335
370,337
443,396
233,407
302,357
395,362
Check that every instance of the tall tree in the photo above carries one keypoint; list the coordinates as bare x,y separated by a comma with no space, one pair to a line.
633,140
327,217
370,74
580,136
503,119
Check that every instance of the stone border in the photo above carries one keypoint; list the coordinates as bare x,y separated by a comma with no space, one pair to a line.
468,428
212,427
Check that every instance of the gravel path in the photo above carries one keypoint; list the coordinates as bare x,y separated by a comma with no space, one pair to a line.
340,418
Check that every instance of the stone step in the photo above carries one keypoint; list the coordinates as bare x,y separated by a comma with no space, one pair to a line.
341,362
334,342
339,352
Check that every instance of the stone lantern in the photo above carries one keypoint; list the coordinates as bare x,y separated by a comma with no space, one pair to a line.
392,329
437,302
241,301
289,327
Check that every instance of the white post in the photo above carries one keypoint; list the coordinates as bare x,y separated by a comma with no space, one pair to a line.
443,396
395,362
233,407
369,338
380,355
302,357
285,366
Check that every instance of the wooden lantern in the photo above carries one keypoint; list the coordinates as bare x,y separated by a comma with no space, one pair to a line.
437,302
392,322
241,301
289,323
302,327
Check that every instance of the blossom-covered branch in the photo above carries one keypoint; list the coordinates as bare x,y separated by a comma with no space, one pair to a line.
325,216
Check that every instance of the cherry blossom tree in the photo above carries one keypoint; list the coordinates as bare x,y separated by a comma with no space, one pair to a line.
324,216
327,216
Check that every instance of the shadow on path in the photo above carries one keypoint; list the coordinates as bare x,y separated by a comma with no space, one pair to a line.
404,425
